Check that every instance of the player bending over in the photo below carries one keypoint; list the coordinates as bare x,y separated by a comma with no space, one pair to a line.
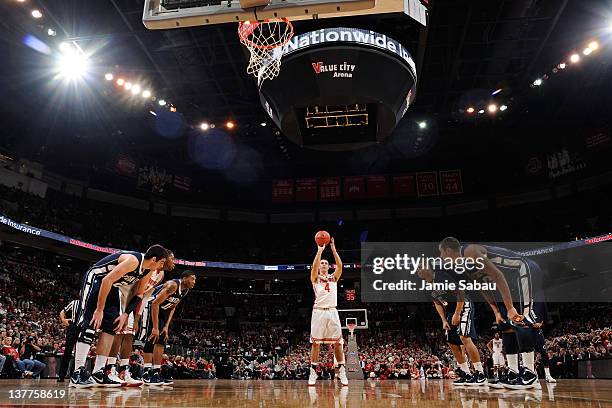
124,339
325,327
156,318
513,275
101,308
456,311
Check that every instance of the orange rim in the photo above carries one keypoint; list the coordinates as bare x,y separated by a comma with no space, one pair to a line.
244,33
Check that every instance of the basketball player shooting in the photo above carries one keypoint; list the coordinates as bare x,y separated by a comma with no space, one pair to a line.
325,327
100,308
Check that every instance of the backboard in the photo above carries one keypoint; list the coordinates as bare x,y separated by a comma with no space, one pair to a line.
166,14
357,316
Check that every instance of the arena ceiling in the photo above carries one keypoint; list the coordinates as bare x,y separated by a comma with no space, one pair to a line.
470,47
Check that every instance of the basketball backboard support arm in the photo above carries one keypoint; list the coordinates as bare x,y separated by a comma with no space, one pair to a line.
156,16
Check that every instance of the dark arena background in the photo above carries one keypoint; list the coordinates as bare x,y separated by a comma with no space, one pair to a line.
165,166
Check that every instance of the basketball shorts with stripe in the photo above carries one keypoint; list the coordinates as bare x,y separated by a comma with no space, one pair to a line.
466,326
89,302
325,327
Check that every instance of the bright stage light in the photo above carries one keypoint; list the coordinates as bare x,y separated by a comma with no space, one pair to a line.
162,102
422,125
146,93
65,47
128,86
562,65
51,32
120,81
263,124
575,58
594,45
108,76
470,110
229,124
172,108
481,111
587,51
537,82
492,108
503,108
135,89
496,91
204,126
36,14
73,66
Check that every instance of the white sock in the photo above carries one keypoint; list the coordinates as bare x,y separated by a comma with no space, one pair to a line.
112,361
464,367
478,367
513,362
124,362
547,372
528,360
100,363
80,356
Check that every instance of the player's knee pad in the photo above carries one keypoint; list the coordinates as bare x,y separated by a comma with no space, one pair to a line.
525,339
148,347
87,336
510,343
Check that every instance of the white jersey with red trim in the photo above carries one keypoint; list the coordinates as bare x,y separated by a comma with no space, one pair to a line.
326,293
498,345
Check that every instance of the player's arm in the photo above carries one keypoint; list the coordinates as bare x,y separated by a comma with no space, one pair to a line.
126,263
337,260
478,251
490,345
164,331
314,270
169,288
442,314
458,308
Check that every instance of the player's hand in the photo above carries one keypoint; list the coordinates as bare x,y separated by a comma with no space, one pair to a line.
164,333
499,319
332,244
456,319
96,320
65,323
445,326
121,322
514,316
537,326
154,336
320,248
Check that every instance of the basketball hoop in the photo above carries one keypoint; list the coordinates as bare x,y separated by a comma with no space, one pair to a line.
351,327
265,40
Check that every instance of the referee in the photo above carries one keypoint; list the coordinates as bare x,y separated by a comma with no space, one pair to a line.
67,318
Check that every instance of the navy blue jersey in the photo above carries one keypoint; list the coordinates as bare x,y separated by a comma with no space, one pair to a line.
171,301
448,298
105,266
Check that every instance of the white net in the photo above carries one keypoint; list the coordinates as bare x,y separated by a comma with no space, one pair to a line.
265,40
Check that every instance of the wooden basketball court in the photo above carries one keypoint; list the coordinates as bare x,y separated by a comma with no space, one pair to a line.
371,394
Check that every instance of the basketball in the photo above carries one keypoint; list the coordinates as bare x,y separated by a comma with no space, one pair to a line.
322,238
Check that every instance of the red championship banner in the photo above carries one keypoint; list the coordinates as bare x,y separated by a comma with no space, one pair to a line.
376,186
329,189
306,189
450,182
354,188
427,183
282,191
404,186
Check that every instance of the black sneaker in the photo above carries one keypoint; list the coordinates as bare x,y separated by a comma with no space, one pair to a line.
153,379
512,380
480,378
461,378
103,380
529,378
81,378
495,382
167,380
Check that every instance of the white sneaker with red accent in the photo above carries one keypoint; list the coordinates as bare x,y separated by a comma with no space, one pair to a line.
342,376
313,377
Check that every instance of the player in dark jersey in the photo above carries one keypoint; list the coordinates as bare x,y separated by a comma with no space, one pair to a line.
100,308
512,273
456,311
156,318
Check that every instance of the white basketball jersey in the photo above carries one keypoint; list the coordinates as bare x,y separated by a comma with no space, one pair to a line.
156,277
498,345
326,293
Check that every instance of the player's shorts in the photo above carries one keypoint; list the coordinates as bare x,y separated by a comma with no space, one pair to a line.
498,359
146,324
88,302
325,327
466,327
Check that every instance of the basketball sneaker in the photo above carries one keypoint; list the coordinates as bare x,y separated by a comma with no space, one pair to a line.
461,378
102,379
81,378
496,382
126,376
115,377
312,379
342,376
476,379
154,378
167,380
